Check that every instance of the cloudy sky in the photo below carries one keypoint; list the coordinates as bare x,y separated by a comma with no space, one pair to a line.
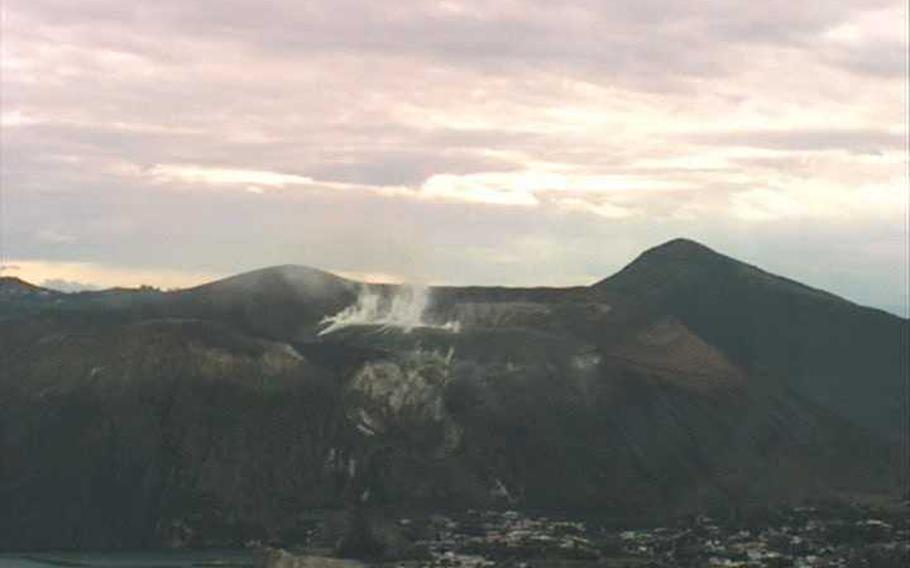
509,142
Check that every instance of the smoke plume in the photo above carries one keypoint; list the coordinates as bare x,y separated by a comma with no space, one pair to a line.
405,309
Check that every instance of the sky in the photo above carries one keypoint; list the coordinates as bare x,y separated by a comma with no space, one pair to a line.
516,142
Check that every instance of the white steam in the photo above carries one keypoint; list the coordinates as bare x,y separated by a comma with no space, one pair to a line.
405,310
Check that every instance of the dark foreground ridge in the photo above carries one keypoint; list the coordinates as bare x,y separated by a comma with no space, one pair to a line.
688,383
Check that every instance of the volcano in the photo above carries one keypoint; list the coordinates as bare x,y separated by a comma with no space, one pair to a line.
688,381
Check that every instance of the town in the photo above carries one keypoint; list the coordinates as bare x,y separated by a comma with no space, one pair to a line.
800,537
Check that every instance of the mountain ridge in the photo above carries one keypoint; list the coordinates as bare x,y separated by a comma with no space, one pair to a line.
686,382
671,255
664,259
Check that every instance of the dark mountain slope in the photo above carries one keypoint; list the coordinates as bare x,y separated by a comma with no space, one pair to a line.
211,416
279,302
847,358
684,262
134,435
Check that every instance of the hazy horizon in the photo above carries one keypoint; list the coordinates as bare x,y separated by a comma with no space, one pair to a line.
70,286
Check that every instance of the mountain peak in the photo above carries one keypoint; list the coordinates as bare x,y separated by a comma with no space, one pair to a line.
294,284
668,266
290,275
668,260
683,264
680,248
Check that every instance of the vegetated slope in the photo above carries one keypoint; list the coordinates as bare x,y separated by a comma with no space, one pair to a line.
215,415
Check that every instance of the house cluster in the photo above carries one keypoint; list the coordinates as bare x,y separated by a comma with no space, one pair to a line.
799,538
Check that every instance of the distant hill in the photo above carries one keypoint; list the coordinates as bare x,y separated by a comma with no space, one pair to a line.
12,288
688,381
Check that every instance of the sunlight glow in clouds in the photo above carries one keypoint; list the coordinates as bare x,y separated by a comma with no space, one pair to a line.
377,138
94,275
229,176
524,188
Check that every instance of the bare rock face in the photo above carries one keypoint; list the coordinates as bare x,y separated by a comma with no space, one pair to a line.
405,395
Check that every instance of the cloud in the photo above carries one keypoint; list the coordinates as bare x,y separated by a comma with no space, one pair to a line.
603,209
861,141
480,188
193,174
518,142
54,237
532,187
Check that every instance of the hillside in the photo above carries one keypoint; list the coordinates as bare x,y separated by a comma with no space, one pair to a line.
688,381
842,356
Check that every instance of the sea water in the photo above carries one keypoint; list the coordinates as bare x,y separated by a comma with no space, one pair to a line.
177,559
